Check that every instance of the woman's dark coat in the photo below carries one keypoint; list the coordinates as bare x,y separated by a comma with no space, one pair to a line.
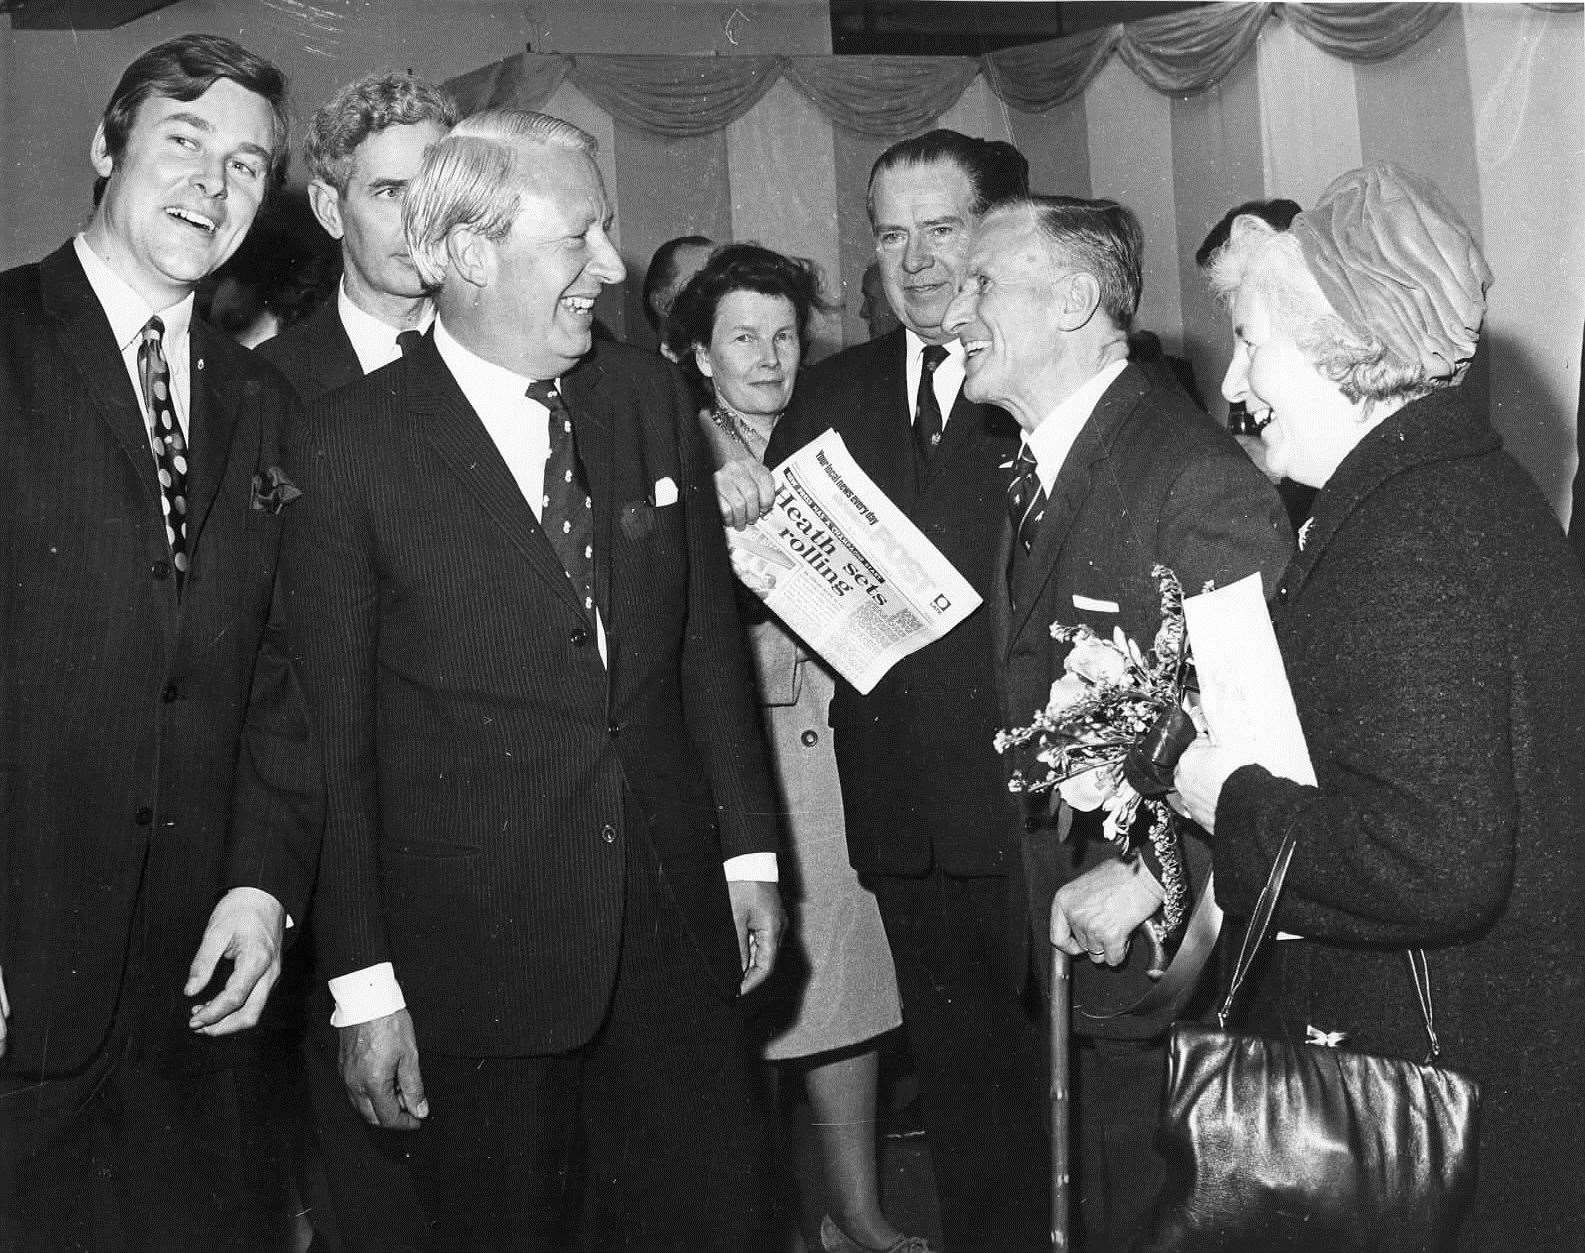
1433,626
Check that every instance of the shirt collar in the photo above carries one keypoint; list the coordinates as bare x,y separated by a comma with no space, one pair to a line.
127,311
484,383
1052,440
373,340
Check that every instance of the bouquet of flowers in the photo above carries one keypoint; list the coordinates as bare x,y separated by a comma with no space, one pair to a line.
1110,733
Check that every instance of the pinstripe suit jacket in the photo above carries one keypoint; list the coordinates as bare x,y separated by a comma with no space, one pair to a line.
130,737
488,777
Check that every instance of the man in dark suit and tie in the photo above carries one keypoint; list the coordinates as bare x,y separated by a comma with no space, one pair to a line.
549,845
923,792
1116,472
363,148
159,828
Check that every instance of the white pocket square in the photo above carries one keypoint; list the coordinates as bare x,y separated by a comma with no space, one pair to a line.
665,493
1093,605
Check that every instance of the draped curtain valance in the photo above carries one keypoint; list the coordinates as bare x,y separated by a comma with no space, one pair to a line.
889,97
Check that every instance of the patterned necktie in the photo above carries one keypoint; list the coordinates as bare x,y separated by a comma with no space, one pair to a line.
170,449
1026,498
927,410
568,512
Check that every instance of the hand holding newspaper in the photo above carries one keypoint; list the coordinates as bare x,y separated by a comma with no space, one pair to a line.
842,566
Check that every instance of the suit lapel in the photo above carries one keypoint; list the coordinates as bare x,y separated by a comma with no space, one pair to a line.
212,421
85,340
1085,460
448,423
334,361
880,434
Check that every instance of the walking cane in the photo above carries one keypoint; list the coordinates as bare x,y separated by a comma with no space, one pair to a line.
1059,1099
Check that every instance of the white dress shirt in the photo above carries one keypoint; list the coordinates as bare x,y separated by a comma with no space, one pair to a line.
520,429
1052,440
373,341
129,313
948,379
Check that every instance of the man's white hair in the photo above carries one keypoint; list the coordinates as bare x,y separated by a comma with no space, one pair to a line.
470,178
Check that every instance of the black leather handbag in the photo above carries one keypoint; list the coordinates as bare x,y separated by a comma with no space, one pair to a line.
1272,1146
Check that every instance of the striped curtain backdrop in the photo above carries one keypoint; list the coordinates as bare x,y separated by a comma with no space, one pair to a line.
1488,104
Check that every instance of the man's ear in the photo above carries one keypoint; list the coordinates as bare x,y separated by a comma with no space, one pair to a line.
1078,297
99,154
471,255
702,359
325,201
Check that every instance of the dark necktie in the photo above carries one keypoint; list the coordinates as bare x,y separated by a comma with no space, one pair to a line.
567,513
1026,498
927,410
408,341
170,449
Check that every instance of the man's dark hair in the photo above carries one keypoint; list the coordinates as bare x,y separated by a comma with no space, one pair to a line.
996,170
183,69
662,271
1277,214
1100,237
741,267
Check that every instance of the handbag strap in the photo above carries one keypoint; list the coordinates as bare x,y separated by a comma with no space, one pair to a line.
1260,924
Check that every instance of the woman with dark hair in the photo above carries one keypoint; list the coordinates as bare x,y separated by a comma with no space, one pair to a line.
742,325
1433,629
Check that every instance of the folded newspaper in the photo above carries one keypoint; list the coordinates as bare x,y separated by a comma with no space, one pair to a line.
843,567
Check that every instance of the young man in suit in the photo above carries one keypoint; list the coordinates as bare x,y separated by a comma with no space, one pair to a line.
549,849
1116,472
924,796
363,148
146,875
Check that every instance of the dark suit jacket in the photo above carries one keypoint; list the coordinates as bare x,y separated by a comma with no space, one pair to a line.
124,753
315,355
1149,479
921,784
488,777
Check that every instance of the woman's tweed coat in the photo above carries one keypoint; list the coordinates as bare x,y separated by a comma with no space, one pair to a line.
1433,626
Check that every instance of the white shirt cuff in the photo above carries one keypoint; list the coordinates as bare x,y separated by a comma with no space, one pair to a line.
365,995
751,868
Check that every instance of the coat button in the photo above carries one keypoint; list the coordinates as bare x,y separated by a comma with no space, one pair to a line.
144,816
171,692
613,729
161,569
1031,825
810,738
578,637
1282,594
608,833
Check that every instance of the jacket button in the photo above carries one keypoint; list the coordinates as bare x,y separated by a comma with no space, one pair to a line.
170,693
161,569
578,637
1031,825
810,738
1282,594
614,729
144,816
608,833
